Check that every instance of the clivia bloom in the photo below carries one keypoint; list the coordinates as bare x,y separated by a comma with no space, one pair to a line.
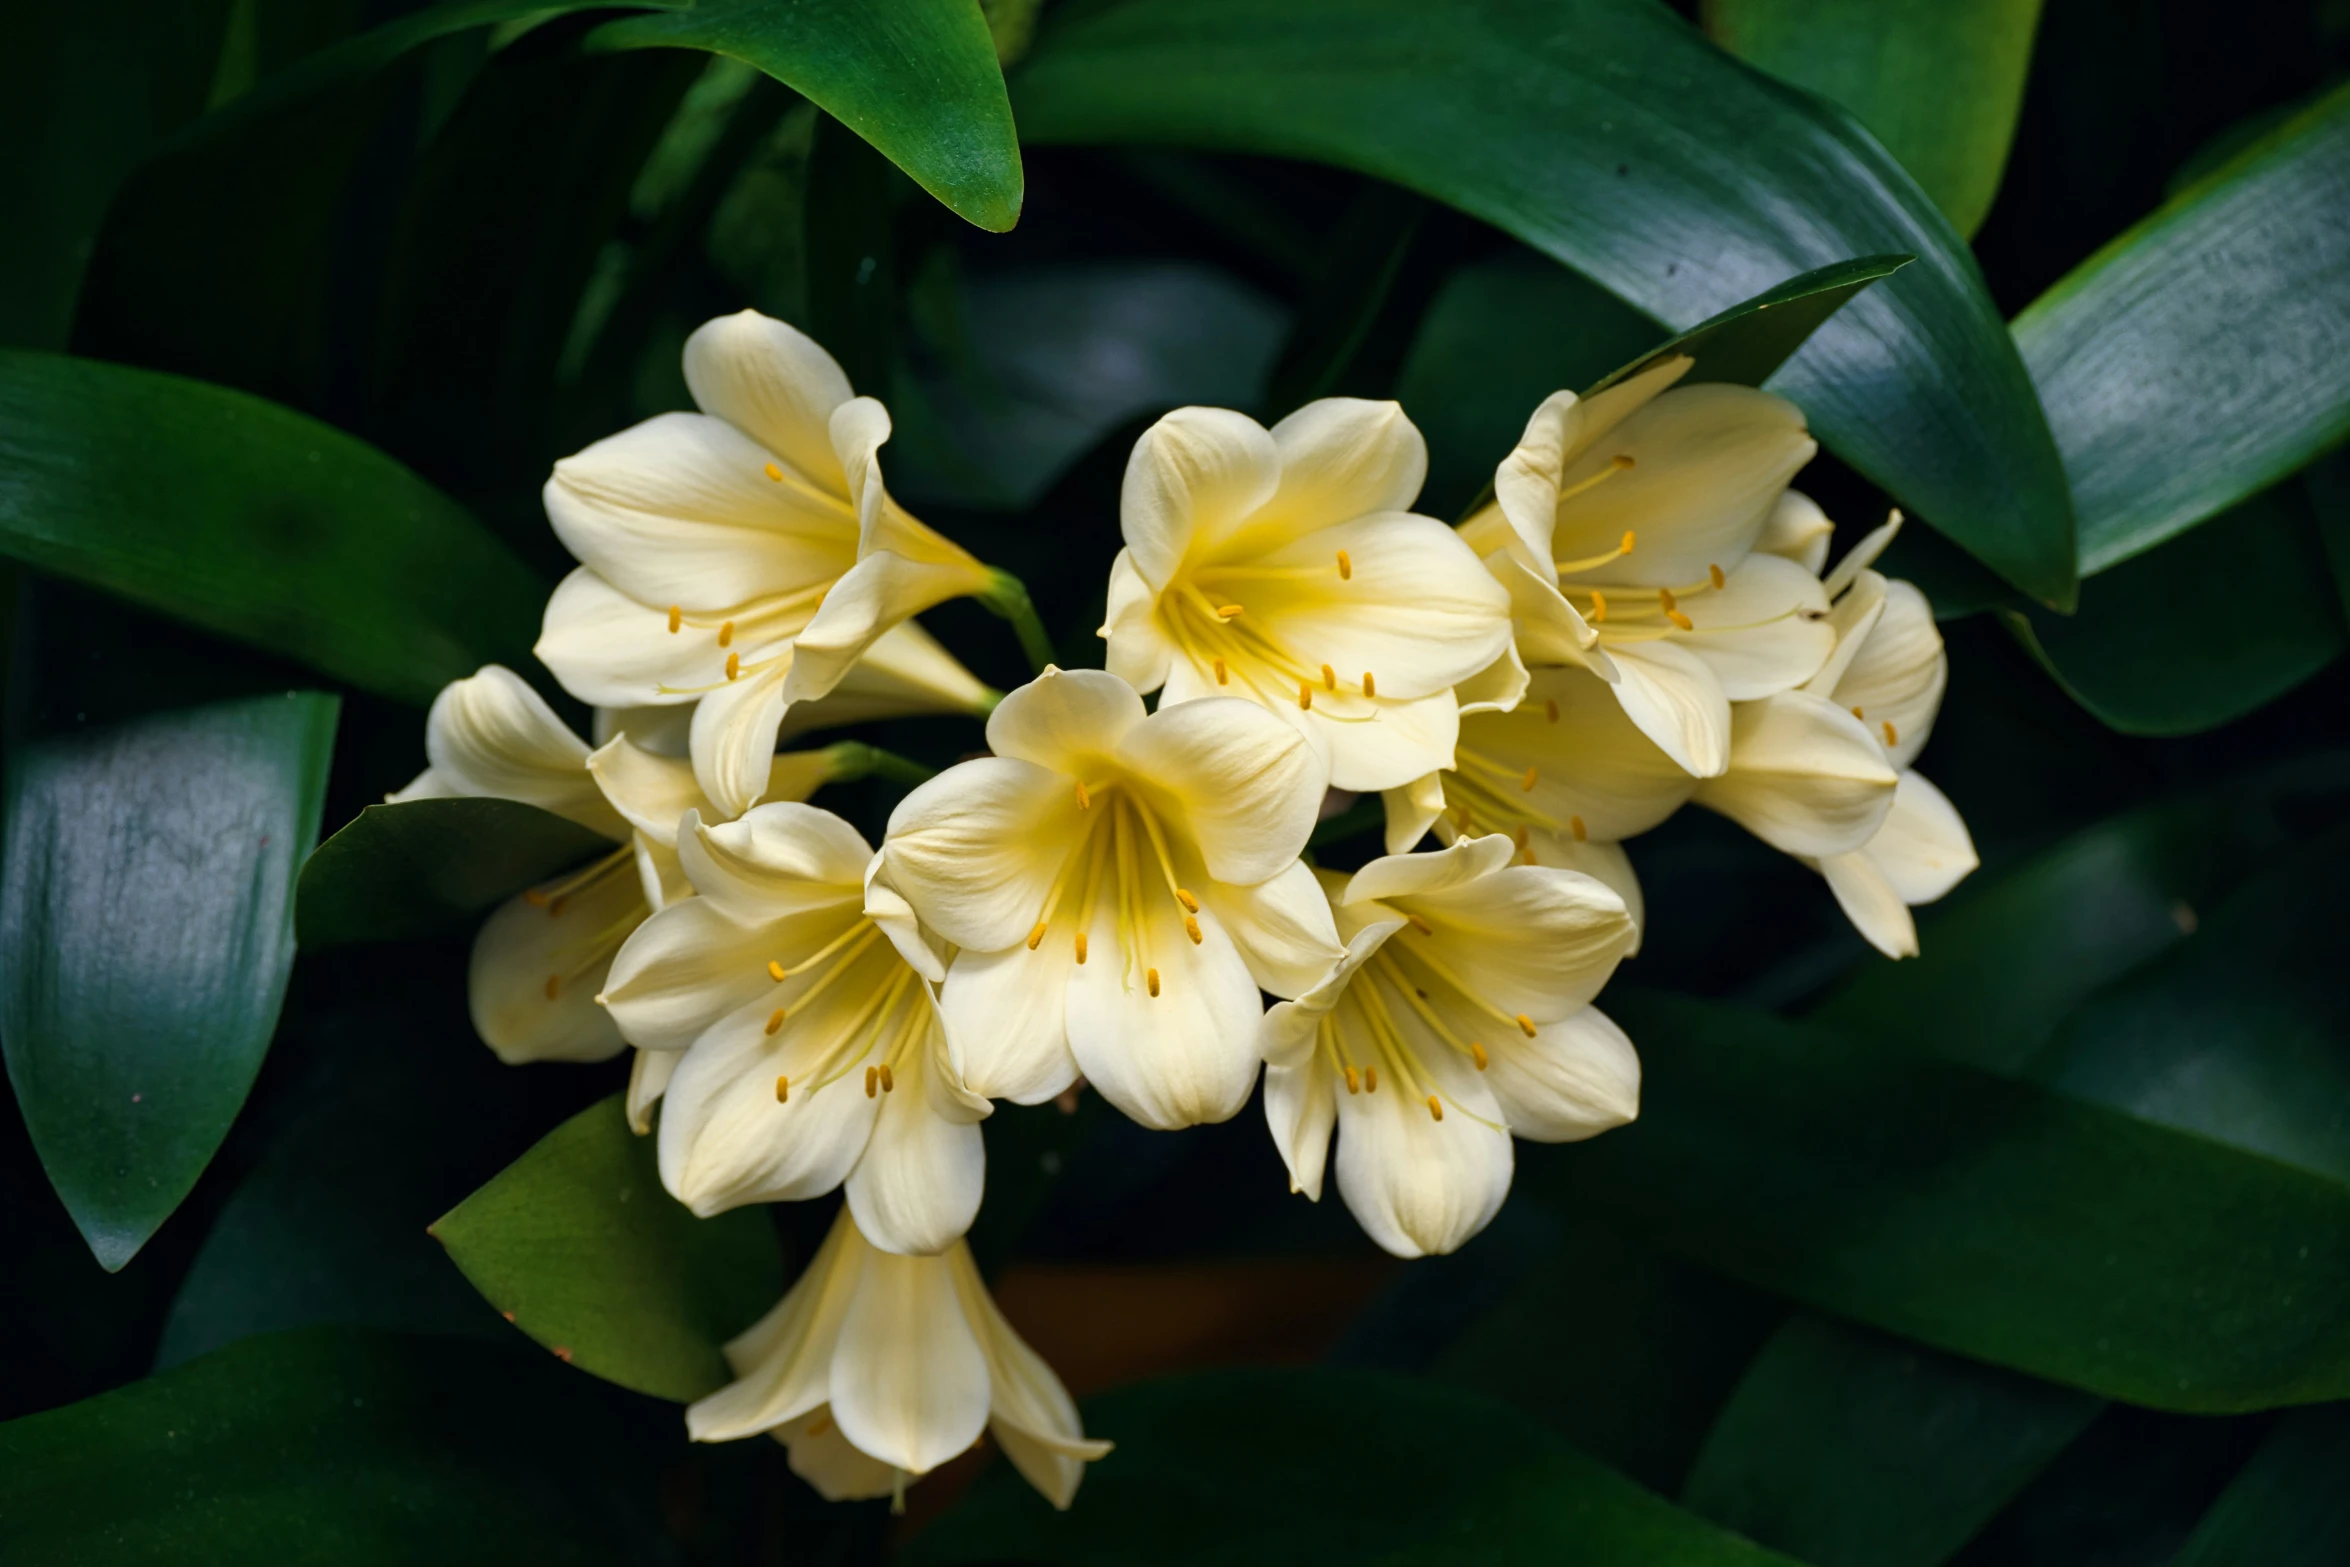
1120,885
1459,1016
741,558
540,957
875,1369
1627,527
797,987
1285,567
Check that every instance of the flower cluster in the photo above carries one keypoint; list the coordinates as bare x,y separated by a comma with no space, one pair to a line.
1637,621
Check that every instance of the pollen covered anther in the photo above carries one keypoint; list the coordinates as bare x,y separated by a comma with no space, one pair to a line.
774,473
1329,678
734,666
1354,1081
726,634
1550,709
872,1082
1190,903
1526,784
776,972
1346,567
1223,675
1575,826
1892,735
1084,799
1191,929
783,1090
1525,1025
1081,946
1370,1080
1229,611
1370,686
1598,607
1305,697
1681,620
1720,579
1435,1107
1150,977
775,1020
1420,924
889,1081
554,986
1035,936
1625,548
1478,1055
676,619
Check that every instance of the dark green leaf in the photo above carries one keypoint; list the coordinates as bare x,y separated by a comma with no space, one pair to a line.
1311,1467
580,1245
250,520
426,866
146,914
2121,658
1989,1218
850,245
326,1447
1343,303
1611,137
2204,354
917,80
1746,344
2287,1507
1848,1449
1940,85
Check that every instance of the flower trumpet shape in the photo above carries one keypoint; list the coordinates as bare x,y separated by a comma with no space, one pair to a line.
1285,567
1627,527
540,958
797,986
1460,1015
741,558
877,1368
1120,887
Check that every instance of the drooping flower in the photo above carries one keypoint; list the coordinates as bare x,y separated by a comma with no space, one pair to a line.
795,990
1286,567
741,558
876,1368
1459,1016
540,957
1627,526
1120,887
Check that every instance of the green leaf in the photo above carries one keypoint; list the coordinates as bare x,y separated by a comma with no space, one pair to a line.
2199,357
146,915
580,1244
1989,1218
1844,1447
1288,1466
1746,344
1611,137
1940,85
423,867
2122,658
247,519
1360,265
2287,1507
327,1446
916,79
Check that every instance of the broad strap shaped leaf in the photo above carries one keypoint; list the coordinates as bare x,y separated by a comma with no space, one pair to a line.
146,934
1993,1219
250,520
341,1445
2122,656
1746,344
1939,84
1841,1445
916,78
2204,354
2287,1507
1609,135
577,1242
422,867
1314,1467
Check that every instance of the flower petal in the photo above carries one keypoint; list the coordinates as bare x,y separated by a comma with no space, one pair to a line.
904,674
1527,941
1497,688
976,849
1244,782
1548,629
1183,1057
1070,720
1419,1186
1301,1111
1589,763
1400,741
1798,531
1411,811
1006,1018
1923,850
1345,457
1030,1411
1758,632
1139,652
783,1362
614,651
1675,699
876,594
536,967
917,1188
1281,926
693,964
780,859
1574,1079
651,792
734,735
1805,776
491,734
774,383
838,1472
1192,478
1898,676
1561,430
1605,863
1870,902
648,1080
909,1379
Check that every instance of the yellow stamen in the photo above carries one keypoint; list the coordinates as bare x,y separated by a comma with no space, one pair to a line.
1354,1081
1084,800
1526,1025
1526,784
1035,936
783,1090
1305,697
1478,1055
1857,713
1892,735
775,1020
1434,1108
1421,925
1625,548
775,971
676,619
1550,709
1346,568
775,473
1598,606
888,1082
1081,946
1720,581
1575,826
1370,686
1151,978
1616,464
1679,619
1370,1080
734,666
1665,600
1190,903
1191,929
1229,611
554,985
872,1081
1329,678
726,634
1223,676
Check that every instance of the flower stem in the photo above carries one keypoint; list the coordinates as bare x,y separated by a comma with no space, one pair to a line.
1006,596
854,759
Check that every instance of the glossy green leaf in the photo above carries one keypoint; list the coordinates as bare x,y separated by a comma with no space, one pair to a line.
2287,1507
916,79
327,1447
1746,344
1989,1218
1610,136
247,519
1360,266
1287,1466
1939,84
1844,1448
2204,354
423,867
146,914
580,1244
2122,657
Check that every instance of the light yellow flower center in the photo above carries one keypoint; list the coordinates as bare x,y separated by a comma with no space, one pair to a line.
1483,794
1367,1038
582,949
1206,615
1119,864
891,1020
768,623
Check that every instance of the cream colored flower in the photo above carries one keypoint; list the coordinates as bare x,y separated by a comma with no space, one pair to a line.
741,558
1286,567
1460,1015
797,987
1626,526
876,1368
540,957
1120,887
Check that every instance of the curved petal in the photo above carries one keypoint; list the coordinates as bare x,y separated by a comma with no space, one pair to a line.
612,650
1676,700
664,731
1006,1018
1605,863
1028,1408
783,1362
876,594
1561,429
1345,457
1466,862
1301,1110
1923,850
917,1188
774,383
1185,1056
1412,810
1497,688
1798,531
977,848
1193,478
1399,742
838,1472
1805,776
1246,784
537,965
909,1379
904,674
781,859
692,964
650,791
1567,754
1070,720
888,909
1528,941
1547,628
1281,927
1765,630
1574,1079
1419,1186
648,1080
1869,901
491,734
1897,677
1139,652
734,735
